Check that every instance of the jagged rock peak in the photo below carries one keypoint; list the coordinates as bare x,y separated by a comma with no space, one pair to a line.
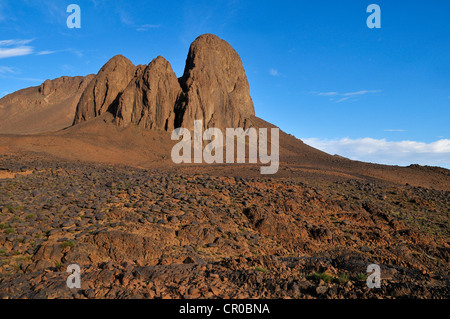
102,93
149,99
215,85
213,88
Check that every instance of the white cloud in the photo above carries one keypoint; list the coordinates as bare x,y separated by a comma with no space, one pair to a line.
145,27
68,68
341,99
46,52
274,72
327,93
6,69
125,17
14,42
21,51
12,48
338,97
363,92
387,152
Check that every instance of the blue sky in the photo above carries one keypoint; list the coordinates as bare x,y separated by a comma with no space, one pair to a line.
315,69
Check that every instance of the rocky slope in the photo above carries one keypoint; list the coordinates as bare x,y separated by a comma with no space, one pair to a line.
48,107
155,234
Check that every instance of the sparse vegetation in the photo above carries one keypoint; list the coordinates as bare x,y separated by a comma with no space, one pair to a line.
10,230
68,243
343,278
361,276
261,269
318,276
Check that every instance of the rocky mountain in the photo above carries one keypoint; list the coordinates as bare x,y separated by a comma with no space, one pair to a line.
213,88
48,107
215,85
105,88
149,99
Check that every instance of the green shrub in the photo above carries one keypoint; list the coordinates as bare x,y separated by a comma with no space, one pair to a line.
261,269
10,230
318,276
67,243
361,276
343,278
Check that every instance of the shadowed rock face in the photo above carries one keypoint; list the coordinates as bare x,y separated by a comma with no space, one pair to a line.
101,94
149,99
214,89
215,85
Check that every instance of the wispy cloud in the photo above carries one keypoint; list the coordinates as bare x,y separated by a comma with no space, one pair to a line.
6,69
146,27
125,17
338,97
68,67
326,93
274,72
78,53
364,92
341,99
12,48
16,42
46,52
387,152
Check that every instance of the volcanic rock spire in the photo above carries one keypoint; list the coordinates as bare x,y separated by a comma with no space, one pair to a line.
103,91
213,88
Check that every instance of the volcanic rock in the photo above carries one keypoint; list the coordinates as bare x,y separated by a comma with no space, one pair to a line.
150,97
215,85
48,107
213,88
101,94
